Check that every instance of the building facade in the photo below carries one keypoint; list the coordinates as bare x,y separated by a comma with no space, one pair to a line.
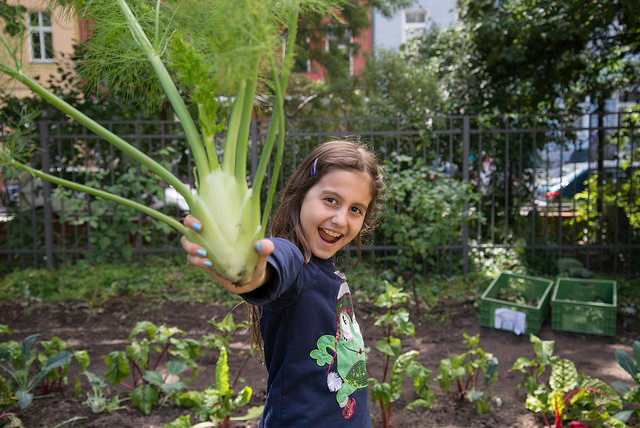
49,39
393,32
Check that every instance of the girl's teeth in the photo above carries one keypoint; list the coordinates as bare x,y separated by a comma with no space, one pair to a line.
330,233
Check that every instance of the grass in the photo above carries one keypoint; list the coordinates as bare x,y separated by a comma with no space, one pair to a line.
158,279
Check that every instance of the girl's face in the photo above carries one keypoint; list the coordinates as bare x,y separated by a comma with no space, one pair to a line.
333,210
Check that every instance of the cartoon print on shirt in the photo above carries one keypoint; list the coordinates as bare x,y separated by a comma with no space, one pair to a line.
347,347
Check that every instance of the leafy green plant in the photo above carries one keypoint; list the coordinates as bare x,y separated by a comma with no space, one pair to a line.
215,406
395,321
112,226
465,369
27,368
630,395
98,400
426,208
568,395
533,368
142,358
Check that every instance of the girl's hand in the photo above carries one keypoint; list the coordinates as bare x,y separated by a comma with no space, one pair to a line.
197,256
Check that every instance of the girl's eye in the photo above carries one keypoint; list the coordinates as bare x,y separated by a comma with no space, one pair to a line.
330,200
356,210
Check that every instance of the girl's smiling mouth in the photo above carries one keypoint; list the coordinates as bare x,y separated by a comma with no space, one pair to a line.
328,235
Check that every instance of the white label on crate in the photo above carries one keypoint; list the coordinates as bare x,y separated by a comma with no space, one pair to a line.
508,319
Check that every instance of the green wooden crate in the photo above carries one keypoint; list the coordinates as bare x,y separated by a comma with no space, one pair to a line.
499,309
584,306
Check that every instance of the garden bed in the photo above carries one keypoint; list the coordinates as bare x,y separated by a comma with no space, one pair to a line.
105,328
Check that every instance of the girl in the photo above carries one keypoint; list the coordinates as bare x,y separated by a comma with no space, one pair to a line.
313,348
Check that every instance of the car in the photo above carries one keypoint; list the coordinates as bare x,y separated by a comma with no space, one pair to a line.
566,181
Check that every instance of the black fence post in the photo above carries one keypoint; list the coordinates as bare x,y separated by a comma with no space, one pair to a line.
46,195
466,142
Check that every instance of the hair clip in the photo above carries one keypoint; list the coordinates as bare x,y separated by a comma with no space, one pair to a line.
313,168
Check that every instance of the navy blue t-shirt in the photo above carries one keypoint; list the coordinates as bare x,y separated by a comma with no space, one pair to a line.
313,347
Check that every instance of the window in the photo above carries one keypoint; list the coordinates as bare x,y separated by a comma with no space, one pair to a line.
415,23
338,42
40,39
301,61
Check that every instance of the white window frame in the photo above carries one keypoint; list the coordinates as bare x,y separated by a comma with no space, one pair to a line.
408,27
41,31
326,48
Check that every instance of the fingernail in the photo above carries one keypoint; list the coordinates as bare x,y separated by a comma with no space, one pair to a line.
202,252
259,247
207,263
196,226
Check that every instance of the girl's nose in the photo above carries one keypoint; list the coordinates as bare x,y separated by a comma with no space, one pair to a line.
340,217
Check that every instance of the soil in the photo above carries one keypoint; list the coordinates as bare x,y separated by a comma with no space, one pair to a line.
103,329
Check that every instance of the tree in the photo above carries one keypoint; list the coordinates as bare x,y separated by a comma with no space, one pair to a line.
533,56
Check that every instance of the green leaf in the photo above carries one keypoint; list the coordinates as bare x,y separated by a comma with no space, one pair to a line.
626,362
94,380
141,326
636,352
390,347
380,391
4,329
242,398
491,371
222,372
117,367
153,377
139,353
252,413
398,371
191,398
144,397
564,376
57,360
183,421
82,357
176,366
621,387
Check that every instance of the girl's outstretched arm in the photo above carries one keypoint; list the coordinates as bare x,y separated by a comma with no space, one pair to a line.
197,256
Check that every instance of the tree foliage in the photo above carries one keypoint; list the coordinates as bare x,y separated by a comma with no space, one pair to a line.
526,56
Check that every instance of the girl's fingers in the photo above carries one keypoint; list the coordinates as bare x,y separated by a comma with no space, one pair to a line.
264,248
191,248
192,222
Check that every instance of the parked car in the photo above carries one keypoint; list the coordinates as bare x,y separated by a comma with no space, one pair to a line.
566,181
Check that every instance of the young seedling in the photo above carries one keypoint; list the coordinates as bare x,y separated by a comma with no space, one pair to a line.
19,359
98,400
396,366
141,361
216,406
465,369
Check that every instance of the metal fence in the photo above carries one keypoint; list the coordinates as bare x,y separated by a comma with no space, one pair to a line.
536,178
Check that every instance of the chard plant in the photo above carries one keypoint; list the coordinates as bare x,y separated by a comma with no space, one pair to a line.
394,322
201,48
465,371
534,368
568,396
154,362
215,406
